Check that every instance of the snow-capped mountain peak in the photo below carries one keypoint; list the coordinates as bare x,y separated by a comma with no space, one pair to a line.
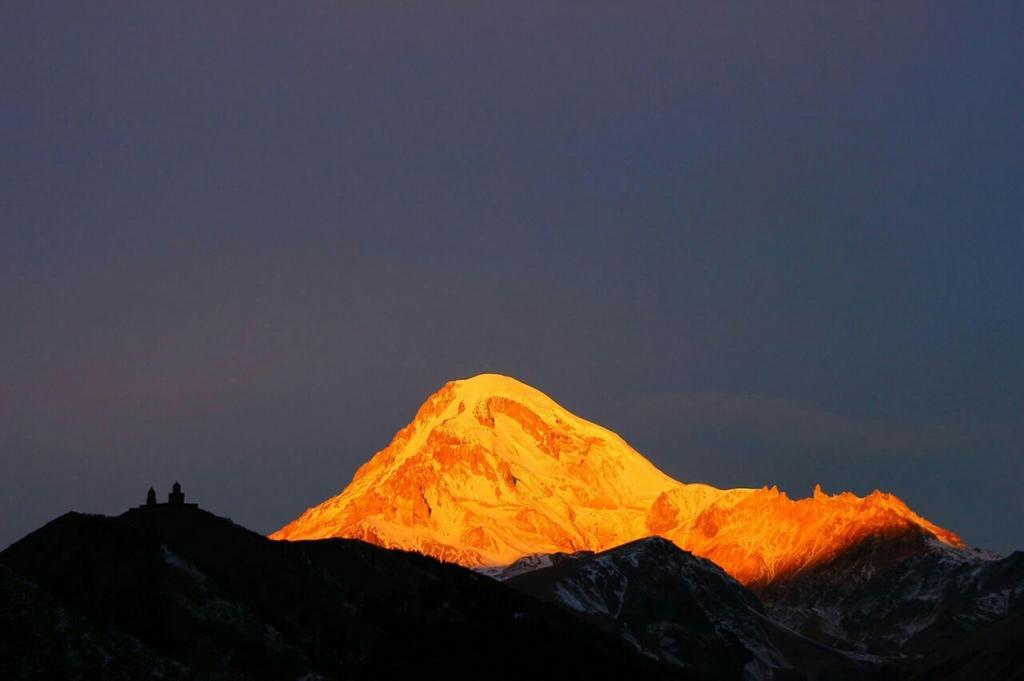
491,470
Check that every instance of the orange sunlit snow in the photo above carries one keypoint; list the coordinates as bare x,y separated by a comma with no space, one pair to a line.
491,470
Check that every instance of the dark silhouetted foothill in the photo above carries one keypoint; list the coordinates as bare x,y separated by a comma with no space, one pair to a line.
179,594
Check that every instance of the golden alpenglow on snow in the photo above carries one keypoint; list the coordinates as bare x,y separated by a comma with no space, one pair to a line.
491,470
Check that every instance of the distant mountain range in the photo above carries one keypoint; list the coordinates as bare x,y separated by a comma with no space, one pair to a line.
499,536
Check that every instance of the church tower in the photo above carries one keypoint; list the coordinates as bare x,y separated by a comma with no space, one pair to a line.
176,496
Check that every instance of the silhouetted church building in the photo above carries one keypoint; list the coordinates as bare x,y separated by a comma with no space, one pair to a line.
175,498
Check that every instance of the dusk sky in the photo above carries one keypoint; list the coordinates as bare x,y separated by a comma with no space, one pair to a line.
766,243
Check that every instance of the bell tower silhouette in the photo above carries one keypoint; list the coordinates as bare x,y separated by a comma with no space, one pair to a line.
176,496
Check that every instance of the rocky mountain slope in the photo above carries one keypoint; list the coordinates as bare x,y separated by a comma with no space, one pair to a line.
893,606
41,639
900,595
688,613
993,652
491,470
179,593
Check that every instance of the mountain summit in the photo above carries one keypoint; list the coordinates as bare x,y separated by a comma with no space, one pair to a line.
491,470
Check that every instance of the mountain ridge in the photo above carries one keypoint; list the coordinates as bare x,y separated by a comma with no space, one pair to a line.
184,592
675,606
491,470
